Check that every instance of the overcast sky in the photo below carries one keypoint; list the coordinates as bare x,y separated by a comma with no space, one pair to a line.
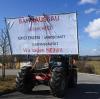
88,17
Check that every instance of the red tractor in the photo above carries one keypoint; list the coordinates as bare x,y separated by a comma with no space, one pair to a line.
60,73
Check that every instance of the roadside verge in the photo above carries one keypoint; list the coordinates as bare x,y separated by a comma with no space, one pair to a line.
7,85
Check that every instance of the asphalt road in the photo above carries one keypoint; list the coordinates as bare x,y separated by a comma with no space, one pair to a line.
88,88
10,71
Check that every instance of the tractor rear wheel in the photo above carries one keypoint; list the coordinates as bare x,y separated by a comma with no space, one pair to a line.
58,83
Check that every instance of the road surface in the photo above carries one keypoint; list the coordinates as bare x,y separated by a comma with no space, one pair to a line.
88,88
10,71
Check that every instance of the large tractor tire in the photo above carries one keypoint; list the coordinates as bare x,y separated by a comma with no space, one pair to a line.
73,79
58,82
24,81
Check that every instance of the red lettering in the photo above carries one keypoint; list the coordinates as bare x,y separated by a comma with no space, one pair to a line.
53,50
38,50
39,19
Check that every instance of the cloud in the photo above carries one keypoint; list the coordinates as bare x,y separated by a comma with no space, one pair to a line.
97,11
91,10
90,51
88,1
94,50
93,28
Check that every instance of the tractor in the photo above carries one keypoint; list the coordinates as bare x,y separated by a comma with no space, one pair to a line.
60,73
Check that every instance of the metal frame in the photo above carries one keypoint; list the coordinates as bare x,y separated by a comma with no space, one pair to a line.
7,31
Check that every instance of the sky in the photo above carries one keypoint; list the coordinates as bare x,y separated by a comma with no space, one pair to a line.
88,17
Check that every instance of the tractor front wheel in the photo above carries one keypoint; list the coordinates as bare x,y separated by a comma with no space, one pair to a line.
24,81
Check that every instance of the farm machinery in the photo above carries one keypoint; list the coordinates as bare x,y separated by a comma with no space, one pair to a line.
60,73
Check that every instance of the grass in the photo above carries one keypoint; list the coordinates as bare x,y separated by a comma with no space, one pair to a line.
8,84
86,66
96,65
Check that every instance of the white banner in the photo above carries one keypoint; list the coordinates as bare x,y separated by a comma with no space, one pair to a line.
48,34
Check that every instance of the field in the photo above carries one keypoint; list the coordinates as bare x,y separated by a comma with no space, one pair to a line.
96,65
89,66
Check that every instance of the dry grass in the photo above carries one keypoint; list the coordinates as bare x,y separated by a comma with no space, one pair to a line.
96,65
8,84
85,66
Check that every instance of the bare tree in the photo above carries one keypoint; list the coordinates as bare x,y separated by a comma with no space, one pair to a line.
4,49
